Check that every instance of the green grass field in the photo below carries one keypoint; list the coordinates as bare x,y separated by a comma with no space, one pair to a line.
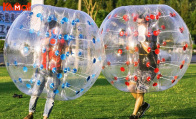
104,101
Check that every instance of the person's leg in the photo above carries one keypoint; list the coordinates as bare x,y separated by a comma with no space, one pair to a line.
48,107
37,90
51,95
138,103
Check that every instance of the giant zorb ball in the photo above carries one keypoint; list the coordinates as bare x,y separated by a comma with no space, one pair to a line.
54,49
148,48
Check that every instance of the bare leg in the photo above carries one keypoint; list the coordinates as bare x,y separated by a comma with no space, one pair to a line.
139,101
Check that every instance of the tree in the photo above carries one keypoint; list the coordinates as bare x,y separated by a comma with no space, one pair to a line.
60,3
109,5
185,12
142,2
150,2
72,4
80,5
162,2
175,5
50,2
92,8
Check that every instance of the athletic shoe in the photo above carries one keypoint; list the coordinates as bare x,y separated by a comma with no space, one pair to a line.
143,109
29,116
133,117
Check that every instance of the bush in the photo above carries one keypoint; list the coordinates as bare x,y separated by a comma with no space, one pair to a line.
1,45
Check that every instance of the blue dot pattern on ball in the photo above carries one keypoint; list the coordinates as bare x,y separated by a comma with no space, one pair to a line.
54,70
31,81
31,31
66,37
38,33
77,20
49,19
47,34
57,53
31,13
67,84
15,63
43,50
60,36
74,70
26,49
81,89
41,66
28,85
52,85
34,65
88,78
77,92
93,75
94,60
20,80
71,37
56,91
59,75
21,26
63,86
67,54
25,69
38,82
65,70
73,22
80,36
79,53
89,23
63,56
39,15
65,19
93,40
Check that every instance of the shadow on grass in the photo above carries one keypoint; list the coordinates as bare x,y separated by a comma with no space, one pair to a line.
8,87
101,82
183,113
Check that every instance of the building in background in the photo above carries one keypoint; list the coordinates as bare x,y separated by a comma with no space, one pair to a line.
6,19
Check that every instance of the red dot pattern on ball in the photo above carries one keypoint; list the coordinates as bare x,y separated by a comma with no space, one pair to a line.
148,78
155,84
156,70
125,17
163,27
115,78
122,69
147,18
159,76
135,64
127,62
158,61
120,51
148,64
149,49
135,78
152,16
157,51
127,83
121,33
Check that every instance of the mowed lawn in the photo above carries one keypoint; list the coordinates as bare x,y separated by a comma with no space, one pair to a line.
103,101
